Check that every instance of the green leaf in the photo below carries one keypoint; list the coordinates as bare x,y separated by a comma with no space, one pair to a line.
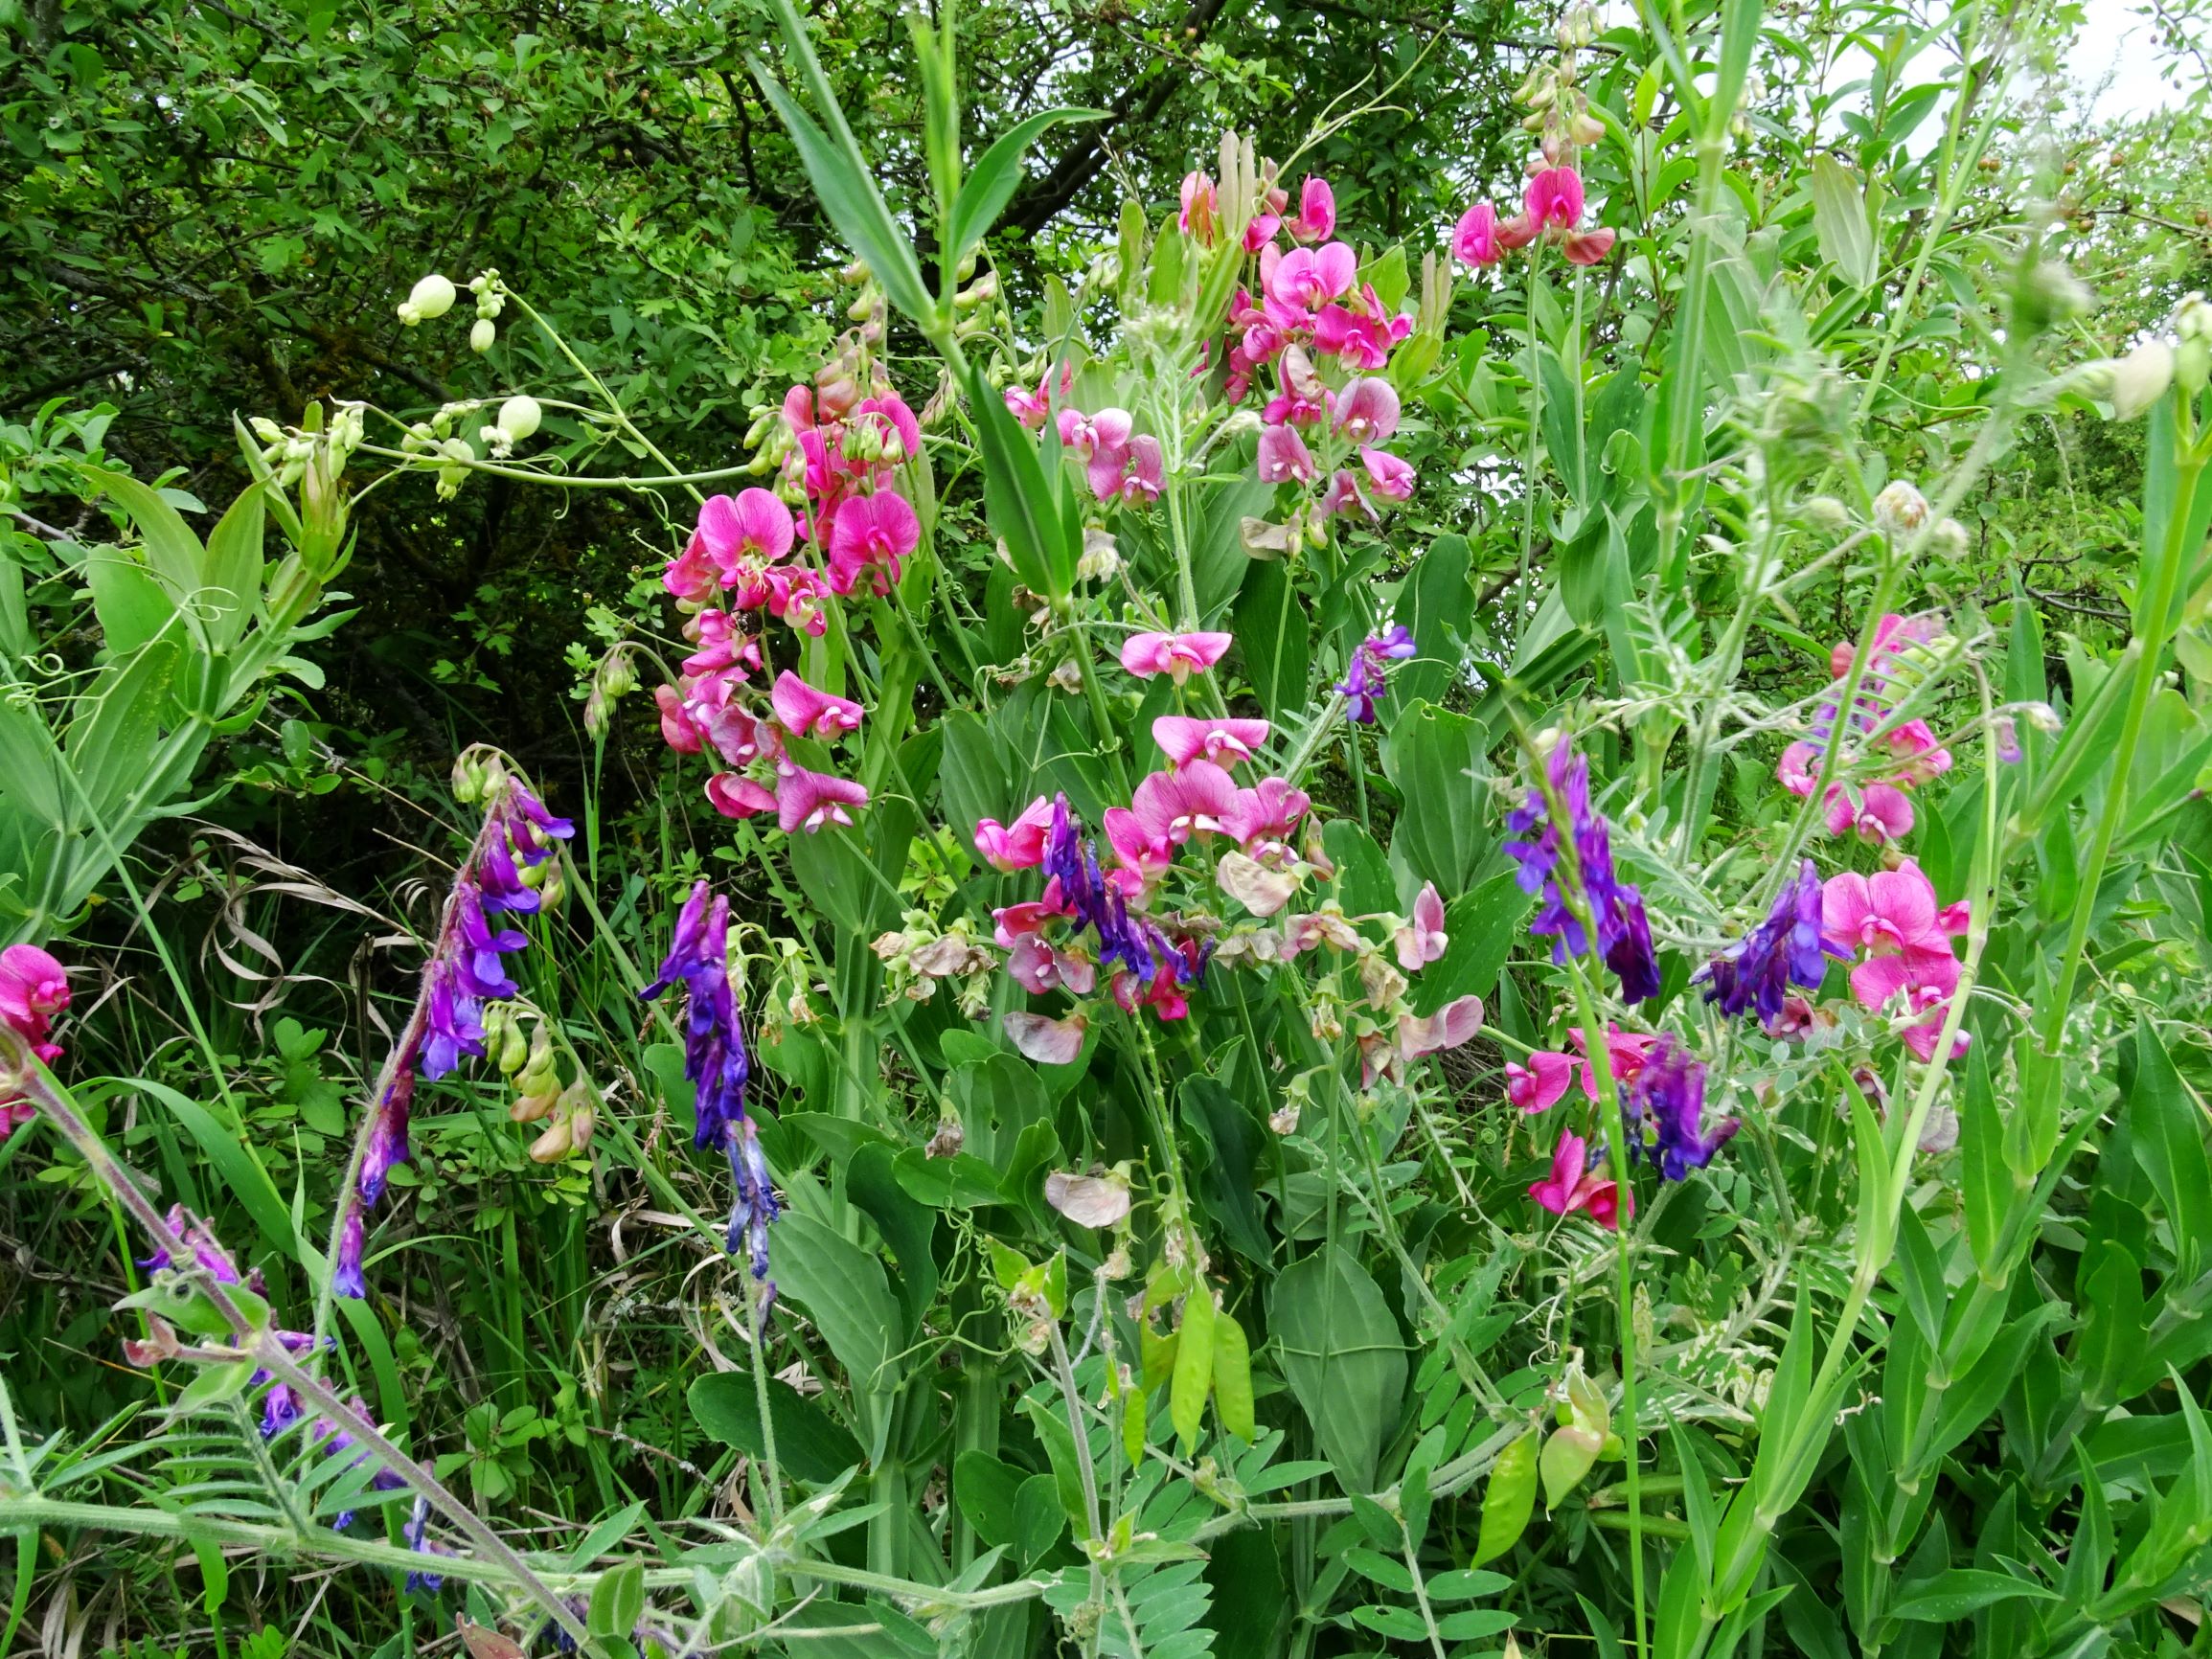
172,551
1481,929
1509,1499
1344,1357
1436,605
991,185
1363,883
1438,760
1957,1592
909,1227
987,1488
1840,220
132,605
231,586
1273,638
2166,1130
810,1445
618,1602
1986,1186
843,1288
1022,503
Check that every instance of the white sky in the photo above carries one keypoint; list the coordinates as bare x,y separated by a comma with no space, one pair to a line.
2116,41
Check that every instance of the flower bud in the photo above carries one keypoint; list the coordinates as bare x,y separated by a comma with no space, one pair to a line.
977,293
519,417
1101,560
267,430
482,335
513,1048
1900,509
553,891
2140,378
530,1108
2044,718
432,297
1950,539
554,1144
457,451
1826,513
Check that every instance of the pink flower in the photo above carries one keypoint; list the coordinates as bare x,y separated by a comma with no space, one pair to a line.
738,736
1163,996
1189,800
1038,968
1135,476
1302,399
1176,655
808,712
734,795
1387,476
1019,845
1554,198
1014,923
1305,278
1588,247
1051,1042
1923,759
1182,738
1625,1052
1284,458
676,727
1422,939
809,800
1474,238
33,988
1537,1086
1455,1023
1800,769
794,595
1267,812
872,533
1144,852
1344,495
1366,410
1571,1187
724,649
1316,219
1361,337
1877,815
1890,913
1201,216
756,525
892,418
690,577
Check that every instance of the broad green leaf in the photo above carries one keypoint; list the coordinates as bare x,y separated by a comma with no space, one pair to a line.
1840,219
987,1488
1436,605
907,1226
1957,1592
132,604
1020,502
1363,883
810,1443
231,586
844,1291
1509,1499
1481,929
1344,1357
1438,761
172,551
2166,1131
1273,638
618,1602
997,174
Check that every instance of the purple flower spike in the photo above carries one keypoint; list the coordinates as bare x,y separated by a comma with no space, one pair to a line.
1616,906
1366,681
1788,948
1663,1112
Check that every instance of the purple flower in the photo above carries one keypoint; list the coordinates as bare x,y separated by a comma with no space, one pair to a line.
279,1410
387,1137
1786,949
1366,681
353,1233
1663,1112
1071,859
414,1531
717,1064
206,1249
1615,906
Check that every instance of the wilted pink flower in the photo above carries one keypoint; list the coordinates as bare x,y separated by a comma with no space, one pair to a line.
1366,410
1387,476
1019,845
808,712
1344,495
1571,1186
1456,1022
809,800
1189,800
734,795
872,533
1587,247
1038,968
1224,742
1474,238
1537,1086
1200,214
1878,814
1316,216
738,736
1051,1042
1422,939
1179,656
1284,458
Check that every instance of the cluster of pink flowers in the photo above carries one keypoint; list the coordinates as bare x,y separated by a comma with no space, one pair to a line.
703,711
1892,918
1877,812
33,988
1551,211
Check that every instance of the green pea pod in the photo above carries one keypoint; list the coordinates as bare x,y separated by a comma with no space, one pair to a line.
1159,1355
1508,1500
1233,1379
1194,1372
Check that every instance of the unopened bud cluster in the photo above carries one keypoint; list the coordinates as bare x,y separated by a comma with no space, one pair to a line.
569,1113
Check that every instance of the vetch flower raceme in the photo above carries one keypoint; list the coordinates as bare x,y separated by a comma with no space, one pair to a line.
717,1066
1786,949
1662,1113
1551,211
1564,831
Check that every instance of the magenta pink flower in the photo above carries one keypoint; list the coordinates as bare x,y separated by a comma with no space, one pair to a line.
1224,742
1387,476
872,534
1537,1086
809,800
1019,845
1316,216
1163,995
808,712
1474,238
33,988
734,795
1344,495
1554,198
1893,916
794,595
1923,759
738,736
892,418
1145,853
1366,410
677,729
1571,1186
690,577
1626,1052
1877,814
1268,811
725,647
1307,278
1800,769
1179,656
1284,458
1135,478
1422,939
1587,247
1359,335
756,525
1014,923
1190,801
